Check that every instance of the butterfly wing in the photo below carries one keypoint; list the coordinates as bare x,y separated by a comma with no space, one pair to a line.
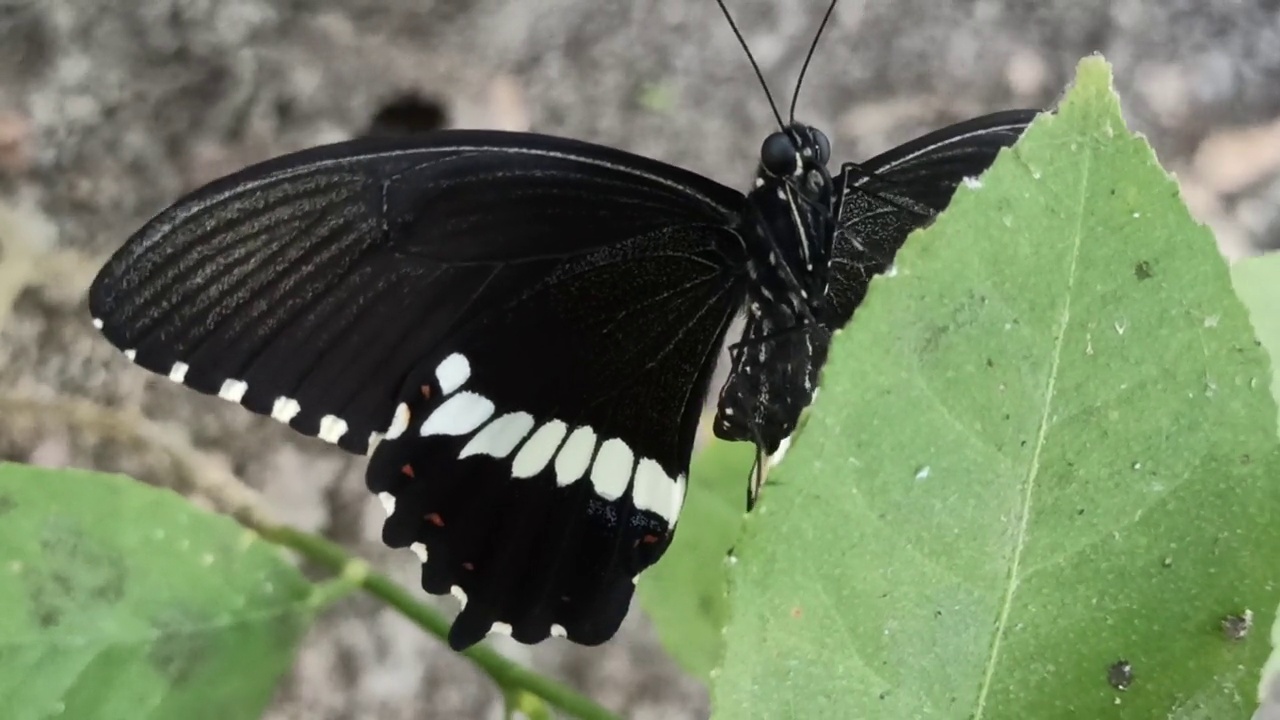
881,201
524,326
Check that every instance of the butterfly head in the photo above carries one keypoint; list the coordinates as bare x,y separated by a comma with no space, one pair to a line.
795,152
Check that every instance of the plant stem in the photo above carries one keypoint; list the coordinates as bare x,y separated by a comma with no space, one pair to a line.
510,676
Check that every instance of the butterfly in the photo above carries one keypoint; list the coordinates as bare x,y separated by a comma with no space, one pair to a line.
521,330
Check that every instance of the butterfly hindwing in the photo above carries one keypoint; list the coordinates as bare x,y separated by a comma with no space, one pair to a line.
542,463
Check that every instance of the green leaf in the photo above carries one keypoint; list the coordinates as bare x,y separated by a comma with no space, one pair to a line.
1257,281
684,594
125,601
1044,445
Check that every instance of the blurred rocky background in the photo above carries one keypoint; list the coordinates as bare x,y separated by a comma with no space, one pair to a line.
111,108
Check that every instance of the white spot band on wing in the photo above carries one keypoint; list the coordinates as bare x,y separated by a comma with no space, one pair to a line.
654,490
611,472
458,415
536,454
233,390
575,456
399,422
332,428
500,437
453,372
285,409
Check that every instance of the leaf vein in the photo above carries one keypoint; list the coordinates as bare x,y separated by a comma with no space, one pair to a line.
1033,468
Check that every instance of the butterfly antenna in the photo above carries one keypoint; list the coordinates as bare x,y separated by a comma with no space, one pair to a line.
795,96
759,75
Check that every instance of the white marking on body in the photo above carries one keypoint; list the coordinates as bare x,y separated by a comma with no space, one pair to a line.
420,550
557,630
499,437
97,323
131,355
332,428
781,452
458,415
388,502
453,372
460,594
611,472
536,454
285,409
575,456
399,422
178,372
501,628
233,390
652,489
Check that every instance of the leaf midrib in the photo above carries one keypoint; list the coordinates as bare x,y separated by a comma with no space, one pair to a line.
1033,467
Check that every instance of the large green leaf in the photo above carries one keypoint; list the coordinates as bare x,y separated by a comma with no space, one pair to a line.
1257,281
124,601
685,593
1044,445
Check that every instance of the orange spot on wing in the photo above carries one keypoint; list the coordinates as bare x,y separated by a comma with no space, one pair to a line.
435,519
426,391
650,539
468,566
407,470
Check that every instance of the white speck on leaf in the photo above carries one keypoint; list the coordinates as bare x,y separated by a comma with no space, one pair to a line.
1137,466
973,183
1137,215
1121,325
1211,321
923,473
892,271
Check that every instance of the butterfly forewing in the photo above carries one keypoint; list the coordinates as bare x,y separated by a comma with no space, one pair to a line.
530,322
879,202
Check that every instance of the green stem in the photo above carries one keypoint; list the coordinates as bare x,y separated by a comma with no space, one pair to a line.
510,676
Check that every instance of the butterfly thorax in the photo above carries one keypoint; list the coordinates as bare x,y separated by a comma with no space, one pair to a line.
788,222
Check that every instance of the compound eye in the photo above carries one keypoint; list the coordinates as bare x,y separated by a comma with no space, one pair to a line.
822,145
778,154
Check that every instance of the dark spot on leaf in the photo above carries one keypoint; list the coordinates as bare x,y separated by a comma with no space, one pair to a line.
7,504
797,613
180,647
407,114
963,315
1079,511
74,572
1142,270
990,363
1237,627
1120,674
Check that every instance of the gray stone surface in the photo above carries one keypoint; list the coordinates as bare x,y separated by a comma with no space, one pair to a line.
110,108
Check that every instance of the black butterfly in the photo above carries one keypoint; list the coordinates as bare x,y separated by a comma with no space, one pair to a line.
525,327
